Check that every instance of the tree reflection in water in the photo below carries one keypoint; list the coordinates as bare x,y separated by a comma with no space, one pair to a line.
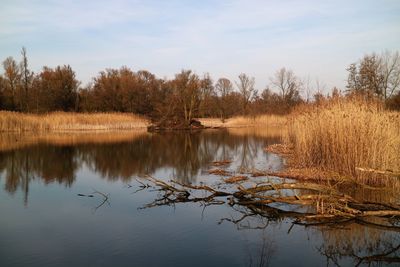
360,244
184,154
47,162
341,245
260,254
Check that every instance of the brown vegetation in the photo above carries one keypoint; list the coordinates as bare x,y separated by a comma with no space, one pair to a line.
188,95
262,120
345,134
221,162
62,121
332,133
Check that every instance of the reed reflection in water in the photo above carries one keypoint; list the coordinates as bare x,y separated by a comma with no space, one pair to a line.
183,156
58,166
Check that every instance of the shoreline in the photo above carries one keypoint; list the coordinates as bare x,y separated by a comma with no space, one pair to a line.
69,121
14,122
293,170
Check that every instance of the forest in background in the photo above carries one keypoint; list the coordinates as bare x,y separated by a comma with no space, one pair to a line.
343,131
188,95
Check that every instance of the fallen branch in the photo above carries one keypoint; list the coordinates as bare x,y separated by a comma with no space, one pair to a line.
387,172
235,179
329,205
221,163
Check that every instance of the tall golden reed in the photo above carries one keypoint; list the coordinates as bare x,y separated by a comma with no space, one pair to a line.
63,121
343,134
265,120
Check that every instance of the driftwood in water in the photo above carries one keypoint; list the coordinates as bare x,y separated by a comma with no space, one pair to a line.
325,204
103,195
235,179
221,163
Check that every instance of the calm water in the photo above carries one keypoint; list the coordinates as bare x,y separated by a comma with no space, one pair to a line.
44,222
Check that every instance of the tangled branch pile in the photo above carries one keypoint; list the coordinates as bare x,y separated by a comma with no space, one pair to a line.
325,204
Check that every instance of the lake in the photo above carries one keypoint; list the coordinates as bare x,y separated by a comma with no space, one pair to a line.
81,200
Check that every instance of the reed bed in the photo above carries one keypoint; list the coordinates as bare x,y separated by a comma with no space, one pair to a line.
262,132
346,134
266,120
63,121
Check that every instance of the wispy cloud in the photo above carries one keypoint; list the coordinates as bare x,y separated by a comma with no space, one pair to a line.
317,38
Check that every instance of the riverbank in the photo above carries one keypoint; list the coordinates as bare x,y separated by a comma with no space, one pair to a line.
69,121
266,120
343,137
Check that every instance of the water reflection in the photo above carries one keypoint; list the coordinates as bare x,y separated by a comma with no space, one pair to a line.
133,234
350,244
261,253
20,167
183,156
360,245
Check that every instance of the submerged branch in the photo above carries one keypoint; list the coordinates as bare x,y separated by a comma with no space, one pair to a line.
105,199
325,205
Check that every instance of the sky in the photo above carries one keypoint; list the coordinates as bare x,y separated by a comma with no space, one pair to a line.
316,39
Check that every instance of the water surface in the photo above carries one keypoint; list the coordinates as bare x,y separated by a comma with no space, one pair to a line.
45,220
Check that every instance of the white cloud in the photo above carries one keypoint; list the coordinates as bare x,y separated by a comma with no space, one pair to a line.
316,38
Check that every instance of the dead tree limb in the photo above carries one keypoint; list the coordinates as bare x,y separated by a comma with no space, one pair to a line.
386,172
325,204
105,199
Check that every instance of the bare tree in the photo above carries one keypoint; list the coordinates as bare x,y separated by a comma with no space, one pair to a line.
246,89
187,90
12,75
223,87
288,84
375,74
207,92
56,89
311,88
390,68
26,77
370,76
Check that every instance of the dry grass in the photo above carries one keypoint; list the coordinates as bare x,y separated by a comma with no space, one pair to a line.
262,132
246,121
344,134
63,121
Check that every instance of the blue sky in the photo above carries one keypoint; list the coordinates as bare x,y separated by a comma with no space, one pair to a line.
316,39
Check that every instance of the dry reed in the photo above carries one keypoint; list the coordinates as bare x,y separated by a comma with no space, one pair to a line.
63,121
266,120
344,134
262,132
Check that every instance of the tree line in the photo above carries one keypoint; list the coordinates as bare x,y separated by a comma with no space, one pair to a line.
188,94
